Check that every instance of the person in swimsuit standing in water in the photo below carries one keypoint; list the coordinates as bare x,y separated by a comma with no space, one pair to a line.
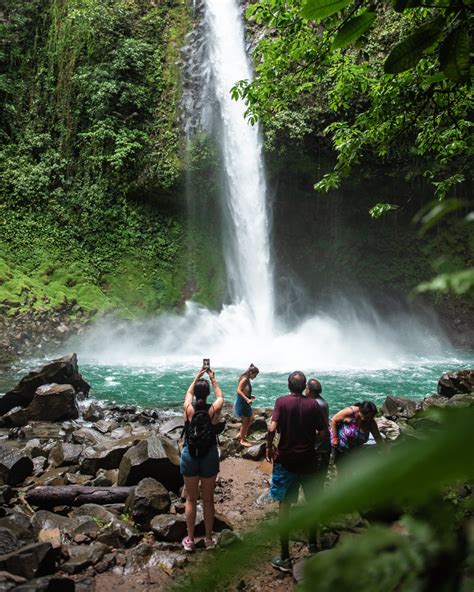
351,427
243,403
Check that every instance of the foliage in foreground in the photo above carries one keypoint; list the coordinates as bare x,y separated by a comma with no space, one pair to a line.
430,545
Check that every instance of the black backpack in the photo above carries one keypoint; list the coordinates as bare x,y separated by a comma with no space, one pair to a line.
200,433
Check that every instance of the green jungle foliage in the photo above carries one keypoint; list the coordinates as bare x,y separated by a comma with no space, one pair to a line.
385,85
90,155
430,549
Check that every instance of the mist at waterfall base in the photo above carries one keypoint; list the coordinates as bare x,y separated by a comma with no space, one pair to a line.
152,363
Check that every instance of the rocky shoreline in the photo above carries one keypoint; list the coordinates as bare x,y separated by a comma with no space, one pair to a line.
88,489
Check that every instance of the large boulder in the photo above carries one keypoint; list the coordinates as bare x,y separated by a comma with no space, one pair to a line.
53,402
148,499
109,529
106,455
15,466
64,453
456,383
156,457
32,560
395,407
61,371
169,527
83,556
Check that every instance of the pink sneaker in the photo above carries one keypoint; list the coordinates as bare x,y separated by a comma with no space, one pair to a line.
188,545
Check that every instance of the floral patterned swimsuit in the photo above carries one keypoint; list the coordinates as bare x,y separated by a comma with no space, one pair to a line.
349,435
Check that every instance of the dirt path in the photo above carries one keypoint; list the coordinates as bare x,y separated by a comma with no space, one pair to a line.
239,486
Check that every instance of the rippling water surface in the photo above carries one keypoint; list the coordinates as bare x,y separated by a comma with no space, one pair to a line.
164,387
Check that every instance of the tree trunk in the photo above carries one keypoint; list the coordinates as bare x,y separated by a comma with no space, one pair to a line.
76,495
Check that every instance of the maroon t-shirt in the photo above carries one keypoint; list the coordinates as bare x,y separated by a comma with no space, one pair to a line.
299,419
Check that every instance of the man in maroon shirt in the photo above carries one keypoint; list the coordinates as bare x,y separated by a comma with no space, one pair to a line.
298,420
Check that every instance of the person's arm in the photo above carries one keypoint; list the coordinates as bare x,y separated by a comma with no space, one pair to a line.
322,425
241,392
374,429
337,419
270,450
219,402
188,398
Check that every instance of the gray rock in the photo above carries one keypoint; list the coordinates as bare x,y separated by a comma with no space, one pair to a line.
93,412
6,495
15,466
259,424
106,455
110,529
105,478
395,407
156,457
61,371
64,454
255,452
175,424
53,402
9,581
35,448
88,436
388,428
455,383
464,400
16,417
30,561
104,426
8,541
82,556
148,557
39,464
169,527
19,524
148,499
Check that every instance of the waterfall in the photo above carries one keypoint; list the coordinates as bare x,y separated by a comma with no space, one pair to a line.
247,249
350,335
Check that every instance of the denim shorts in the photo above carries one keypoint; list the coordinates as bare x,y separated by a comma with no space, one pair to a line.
242,409
207,466
285,485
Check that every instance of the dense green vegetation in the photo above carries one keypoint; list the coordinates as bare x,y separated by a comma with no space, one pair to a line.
321,72
90,155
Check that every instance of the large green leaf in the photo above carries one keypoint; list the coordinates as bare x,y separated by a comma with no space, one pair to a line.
319,9
353,29
454,55
408,52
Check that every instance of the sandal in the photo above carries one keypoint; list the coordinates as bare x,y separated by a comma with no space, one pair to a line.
188,545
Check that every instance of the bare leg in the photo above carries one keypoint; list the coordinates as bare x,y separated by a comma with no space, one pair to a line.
208,485
192,484
246,423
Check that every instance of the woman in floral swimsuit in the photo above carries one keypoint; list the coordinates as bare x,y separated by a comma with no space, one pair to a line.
351,427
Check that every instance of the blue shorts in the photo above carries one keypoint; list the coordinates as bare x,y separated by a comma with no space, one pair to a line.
207,466
242,409
285,485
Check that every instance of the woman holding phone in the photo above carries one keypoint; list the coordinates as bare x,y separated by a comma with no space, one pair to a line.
243,403
200,456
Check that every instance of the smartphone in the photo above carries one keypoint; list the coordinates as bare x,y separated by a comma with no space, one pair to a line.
206,363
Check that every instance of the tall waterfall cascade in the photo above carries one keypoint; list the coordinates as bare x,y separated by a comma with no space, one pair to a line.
248,329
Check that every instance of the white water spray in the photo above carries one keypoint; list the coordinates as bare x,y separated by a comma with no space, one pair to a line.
247,242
